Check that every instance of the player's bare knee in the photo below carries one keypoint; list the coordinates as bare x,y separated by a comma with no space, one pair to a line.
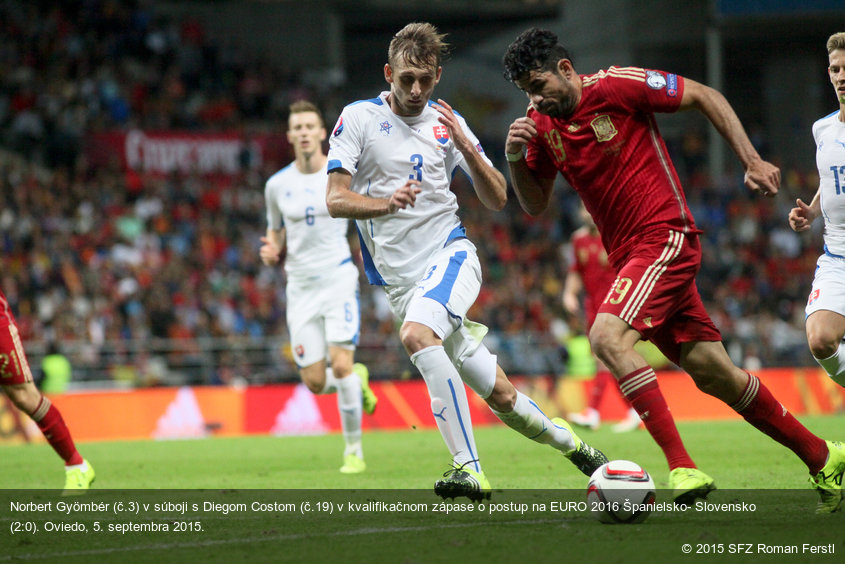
822,345
314,387
341,367
415,337
314,377
25,397
604,347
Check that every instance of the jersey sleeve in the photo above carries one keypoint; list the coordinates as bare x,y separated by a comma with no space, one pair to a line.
274,214
536,157
345,144
645,90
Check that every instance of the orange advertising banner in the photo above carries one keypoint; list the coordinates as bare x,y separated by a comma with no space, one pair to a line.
290,409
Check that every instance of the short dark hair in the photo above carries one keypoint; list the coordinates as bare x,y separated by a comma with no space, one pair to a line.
534,49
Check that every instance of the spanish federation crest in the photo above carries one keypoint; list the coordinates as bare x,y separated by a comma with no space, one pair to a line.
604,128
441,134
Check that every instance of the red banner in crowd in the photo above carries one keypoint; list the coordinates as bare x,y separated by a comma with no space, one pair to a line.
166,152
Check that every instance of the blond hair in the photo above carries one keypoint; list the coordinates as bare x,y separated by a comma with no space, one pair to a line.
836,41
418,44
302,106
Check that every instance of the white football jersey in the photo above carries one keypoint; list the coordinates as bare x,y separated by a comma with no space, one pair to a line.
829,134
316,242
382,151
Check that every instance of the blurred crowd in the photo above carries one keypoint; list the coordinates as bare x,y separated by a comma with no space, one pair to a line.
101,255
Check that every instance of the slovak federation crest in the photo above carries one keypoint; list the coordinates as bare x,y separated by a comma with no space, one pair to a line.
604,128
441,133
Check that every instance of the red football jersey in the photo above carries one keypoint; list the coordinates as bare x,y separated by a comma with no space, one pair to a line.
6,317
611,152
589,260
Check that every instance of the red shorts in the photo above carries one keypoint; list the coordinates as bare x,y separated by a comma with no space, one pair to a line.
14,368
655,293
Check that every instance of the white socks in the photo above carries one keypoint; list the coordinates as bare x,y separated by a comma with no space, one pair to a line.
448,404
834,365
349,407
527,419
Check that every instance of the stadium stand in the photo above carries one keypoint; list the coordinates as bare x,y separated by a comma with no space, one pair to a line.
153,278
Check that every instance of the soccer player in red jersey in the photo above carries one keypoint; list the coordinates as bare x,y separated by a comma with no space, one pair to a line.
16,381
599,132
591,274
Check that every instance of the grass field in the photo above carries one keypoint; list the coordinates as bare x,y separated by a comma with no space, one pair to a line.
289,485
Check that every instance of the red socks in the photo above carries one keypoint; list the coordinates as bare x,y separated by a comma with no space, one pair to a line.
51,423
640,387
600,382
759,407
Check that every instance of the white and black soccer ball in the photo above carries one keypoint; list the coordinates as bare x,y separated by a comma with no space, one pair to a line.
620,491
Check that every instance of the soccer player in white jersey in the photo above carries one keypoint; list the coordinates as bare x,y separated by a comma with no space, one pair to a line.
826,304
322,281
391,161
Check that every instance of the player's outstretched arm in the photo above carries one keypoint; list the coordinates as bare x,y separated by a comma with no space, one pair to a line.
489,184
760,176
533,193
802,216
343,202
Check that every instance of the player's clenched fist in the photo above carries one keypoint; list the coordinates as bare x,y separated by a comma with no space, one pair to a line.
404,196
269,251
521,131
801,217
763,177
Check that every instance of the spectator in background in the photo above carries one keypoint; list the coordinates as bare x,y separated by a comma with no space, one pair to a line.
56,369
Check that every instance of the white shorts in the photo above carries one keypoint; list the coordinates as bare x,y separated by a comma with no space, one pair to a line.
828,290
442,298
323,311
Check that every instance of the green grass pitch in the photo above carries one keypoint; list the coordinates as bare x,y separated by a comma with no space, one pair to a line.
289,484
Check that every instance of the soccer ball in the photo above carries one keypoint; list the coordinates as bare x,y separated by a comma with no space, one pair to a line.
620,491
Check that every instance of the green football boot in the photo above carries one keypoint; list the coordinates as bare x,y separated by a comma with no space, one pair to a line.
78,480
353,464
462,481
586,458
368,398
688,484
828,482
